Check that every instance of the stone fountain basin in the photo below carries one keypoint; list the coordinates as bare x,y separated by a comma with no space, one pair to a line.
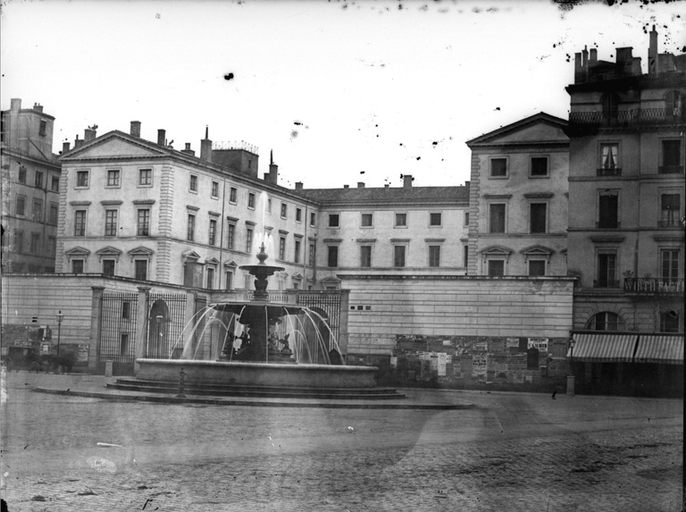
198,372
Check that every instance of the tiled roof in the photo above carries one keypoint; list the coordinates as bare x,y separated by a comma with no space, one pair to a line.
370,195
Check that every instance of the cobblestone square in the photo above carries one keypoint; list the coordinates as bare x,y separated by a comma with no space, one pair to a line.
512,451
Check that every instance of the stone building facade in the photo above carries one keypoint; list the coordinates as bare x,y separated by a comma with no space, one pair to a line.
30,185
519,199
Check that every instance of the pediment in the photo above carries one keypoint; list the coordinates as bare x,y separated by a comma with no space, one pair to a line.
537,250
496,250
115,145
190,255
212,261
538,128
108,251
77,251
141,251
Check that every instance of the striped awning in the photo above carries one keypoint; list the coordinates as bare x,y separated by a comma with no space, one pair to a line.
603,348
660,349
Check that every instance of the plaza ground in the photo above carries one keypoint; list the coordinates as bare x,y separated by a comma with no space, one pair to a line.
511,451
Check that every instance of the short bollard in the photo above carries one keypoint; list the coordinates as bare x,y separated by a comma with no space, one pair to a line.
182,384
570,385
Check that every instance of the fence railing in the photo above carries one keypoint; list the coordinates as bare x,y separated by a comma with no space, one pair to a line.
628,117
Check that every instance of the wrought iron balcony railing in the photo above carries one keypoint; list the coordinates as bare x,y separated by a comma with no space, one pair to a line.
668,222
612,171
605,283
654,285
627,118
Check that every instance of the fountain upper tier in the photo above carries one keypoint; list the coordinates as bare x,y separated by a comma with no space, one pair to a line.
261,271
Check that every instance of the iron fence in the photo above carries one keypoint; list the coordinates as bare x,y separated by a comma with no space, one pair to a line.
118,323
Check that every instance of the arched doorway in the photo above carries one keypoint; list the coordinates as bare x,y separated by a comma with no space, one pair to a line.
158,330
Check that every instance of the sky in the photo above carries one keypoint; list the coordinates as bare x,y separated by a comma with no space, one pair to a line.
341,92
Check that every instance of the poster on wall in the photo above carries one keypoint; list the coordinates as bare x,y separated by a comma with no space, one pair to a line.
479,364
442,362
82,354
541,344
512,342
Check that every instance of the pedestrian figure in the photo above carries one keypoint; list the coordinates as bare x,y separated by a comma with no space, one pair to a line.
554,393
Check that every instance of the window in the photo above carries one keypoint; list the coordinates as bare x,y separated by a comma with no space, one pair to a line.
20,208
669,265
333,220
298,214
296,254
231,237
465,255
39,179
42,128
212,237
55,184
19,241
434,255
22,174
82,179
269,205
215,189
124,344
496,218
232,194
434,219
126,310
498,167
310,255
671,157
143,222
190,227
229,279
35,243
610,103
536,268
400,220
313,219
669,321
80,223
248,240
251,200
284,210
669,210
141,270
537,217
607,210
609,161
496,268
108,267
210,277
332,259
37,210
193,184
673,103
77,266
604,321
466,218
145,177
398,255
282,248
607,268
110,222
539,166
365,256
366,220
113,178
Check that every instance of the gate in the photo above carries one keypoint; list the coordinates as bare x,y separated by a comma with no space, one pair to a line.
166,322
327,302
118,328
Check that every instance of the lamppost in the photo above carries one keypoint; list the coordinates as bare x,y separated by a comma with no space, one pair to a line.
570,378
60,317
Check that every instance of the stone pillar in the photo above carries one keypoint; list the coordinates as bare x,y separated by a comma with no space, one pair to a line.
141,325
343,322
96,322
188,313
570,385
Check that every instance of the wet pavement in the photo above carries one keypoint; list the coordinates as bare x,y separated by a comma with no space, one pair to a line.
513,451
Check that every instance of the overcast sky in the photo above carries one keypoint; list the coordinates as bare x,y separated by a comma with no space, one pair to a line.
341,91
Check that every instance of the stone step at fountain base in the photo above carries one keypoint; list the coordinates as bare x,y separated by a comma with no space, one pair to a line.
152,386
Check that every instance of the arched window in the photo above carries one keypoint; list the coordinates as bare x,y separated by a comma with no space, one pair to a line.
604,321
610,106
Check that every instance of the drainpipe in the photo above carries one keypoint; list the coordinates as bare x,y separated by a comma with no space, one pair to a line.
306,247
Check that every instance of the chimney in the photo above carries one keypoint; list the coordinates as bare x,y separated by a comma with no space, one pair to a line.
88,134
78,143
273,175
346,186
578,68
206,147
65,147
407,180
187,149
385,185
652,53
360,184
135,128
593,57
298,185
161,134
624,56
584,57
15,104
38,107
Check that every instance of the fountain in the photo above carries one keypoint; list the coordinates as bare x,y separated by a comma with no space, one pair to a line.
257,348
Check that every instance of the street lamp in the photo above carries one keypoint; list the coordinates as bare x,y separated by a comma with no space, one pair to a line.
60,317
570,378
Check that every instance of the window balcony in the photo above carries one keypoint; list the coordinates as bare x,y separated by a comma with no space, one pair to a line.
607,224
670,169
668,223
605,283
625,118
612,171
654,286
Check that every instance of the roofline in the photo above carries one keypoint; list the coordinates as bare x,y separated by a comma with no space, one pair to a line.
517,124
